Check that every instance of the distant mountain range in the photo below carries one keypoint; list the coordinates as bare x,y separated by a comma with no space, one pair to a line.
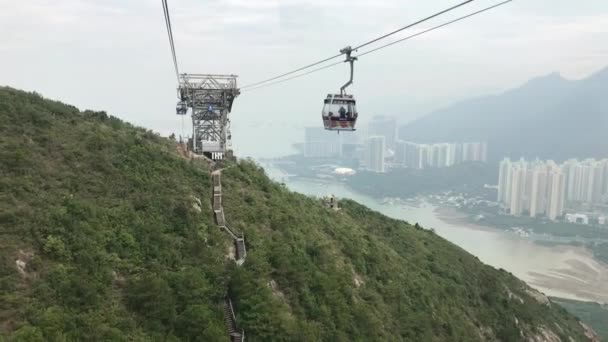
548,117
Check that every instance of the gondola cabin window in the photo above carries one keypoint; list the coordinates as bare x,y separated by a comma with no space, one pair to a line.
339,113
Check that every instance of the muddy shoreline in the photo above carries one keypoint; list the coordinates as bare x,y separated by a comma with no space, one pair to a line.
584,278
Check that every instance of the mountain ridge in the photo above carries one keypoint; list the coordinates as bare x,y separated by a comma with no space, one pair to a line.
528,121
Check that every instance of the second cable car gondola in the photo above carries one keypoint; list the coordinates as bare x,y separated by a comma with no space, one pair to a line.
340,110
182,105
181,108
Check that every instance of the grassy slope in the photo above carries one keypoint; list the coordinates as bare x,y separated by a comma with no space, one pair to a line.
105,217
593,314
469,177
119,251
417,286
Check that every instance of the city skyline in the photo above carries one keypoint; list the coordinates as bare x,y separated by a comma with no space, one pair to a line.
420,156
319,143
546,188
363,147
374,154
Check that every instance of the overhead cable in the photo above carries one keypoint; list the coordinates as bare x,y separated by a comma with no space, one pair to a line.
413,24
386,45
291,72
293,77
359,46
170,33
434,28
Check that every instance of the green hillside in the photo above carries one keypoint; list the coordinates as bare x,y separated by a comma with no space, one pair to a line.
593,314
107,234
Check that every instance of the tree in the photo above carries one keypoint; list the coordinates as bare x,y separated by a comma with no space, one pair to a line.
152,299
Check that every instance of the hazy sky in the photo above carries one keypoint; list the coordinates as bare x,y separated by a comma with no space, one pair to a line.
114,55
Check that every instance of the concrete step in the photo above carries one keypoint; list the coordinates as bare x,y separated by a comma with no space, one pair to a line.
229,317
241,251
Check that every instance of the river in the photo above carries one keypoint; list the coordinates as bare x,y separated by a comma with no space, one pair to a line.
561,271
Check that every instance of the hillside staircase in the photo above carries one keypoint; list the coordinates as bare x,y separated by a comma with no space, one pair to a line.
230,319
220,219
238,239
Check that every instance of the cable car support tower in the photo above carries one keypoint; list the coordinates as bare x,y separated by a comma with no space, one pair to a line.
209,98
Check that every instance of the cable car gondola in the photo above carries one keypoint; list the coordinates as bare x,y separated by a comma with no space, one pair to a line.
181,108
340,110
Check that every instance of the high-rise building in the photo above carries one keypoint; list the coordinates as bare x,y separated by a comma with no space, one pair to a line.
467,151
386,127
472,151
577,189
412,155
484,152
319,143
538,192
423,156
407,154
557,185
443,155
586,181
435,155
568,167
374,153
527,195
543,187
597,174
605,192
587,184
458,154
451,155
475,151
401,153
518,183
504,180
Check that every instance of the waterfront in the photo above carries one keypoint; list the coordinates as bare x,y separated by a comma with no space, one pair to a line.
562,271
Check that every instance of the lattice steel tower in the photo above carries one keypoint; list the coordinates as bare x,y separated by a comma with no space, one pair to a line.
210,97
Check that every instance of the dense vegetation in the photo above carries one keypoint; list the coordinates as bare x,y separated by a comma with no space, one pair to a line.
492,217
600,250
107,235
101,212
468,178
593,314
